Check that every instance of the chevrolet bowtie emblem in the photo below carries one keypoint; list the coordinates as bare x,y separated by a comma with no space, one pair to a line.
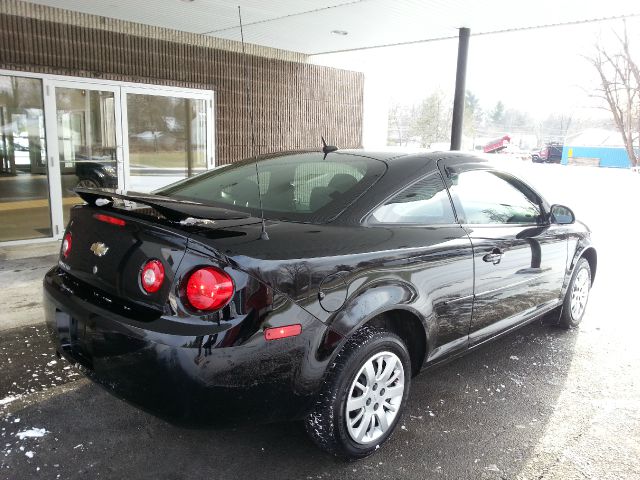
99,249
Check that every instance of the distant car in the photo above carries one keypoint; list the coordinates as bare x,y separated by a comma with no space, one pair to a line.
320,299
96,173
550,153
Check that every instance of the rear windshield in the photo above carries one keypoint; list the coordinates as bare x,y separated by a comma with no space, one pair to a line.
299,187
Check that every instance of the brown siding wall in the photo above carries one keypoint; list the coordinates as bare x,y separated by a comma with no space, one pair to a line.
293,103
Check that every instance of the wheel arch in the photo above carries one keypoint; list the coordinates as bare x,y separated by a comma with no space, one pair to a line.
403,320
591,256
410,328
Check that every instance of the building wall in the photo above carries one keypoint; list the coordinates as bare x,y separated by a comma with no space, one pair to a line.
604,156
95,22
294,103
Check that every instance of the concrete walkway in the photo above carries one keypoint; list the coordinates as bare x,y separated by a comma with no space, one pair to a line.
21,271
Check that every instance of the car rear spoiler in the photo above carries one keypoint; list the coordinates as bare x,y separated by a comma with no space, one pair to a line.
171,208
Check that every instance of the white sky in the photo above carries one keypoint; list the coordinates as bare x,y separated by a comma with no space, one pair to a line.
540,71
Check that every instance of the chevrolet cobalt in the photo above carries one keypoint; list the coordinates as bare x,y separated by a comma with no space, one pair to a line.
310,286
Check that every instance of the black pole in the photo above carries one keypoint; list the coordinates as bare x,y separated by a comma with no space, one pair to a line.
458,99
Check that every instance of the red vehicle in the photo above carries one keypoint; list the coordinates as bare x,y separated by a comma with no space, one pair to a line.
495,146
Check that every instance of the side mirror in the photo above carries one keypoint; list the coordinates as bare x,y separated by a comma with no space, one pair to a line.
562,215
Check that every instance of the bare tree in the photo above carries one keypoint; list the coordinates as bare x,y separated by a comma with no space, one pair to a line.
620,88
399,120
474,116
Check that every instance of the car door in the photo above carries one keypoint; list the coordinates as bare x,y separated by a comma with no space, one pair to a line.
519,258
438,260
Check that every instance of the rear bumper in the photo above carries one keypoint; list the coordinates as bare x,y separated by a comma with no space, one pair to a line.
189,374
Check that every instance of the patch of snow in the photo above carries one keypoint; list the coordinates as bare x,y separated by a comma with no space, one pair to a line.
513,357
51,363
196,221
29,454
32,433
8,399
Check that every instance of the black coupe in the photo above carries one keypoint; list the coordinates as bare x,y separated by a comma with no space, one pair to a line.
309,286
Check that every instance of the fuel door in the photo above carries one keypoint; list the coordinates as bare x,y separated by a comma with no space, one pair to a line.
333,292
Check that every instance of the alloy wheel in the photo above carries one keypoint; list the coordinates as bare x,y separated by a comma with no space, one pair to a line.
375,397
579,294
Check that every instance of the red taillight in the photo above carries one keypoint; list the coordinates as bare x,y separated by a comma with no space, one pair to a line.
282,332
109,219
66,245
152,276
209,288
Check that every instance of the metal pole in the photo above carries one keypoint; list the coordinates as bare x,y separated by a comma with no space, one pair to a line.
458,99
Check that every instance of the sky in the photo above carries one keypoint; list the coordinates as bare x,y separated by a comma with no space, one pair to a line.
540,71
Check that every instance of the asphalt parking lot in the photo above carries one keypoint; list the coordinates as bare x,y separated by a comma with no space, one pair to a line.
540,403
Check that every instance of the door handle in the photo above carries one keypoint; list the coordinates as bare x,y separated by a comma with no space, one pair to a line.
494,257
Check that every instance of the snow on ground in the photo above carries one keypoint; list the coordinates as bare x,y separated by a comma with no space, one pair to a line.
30,371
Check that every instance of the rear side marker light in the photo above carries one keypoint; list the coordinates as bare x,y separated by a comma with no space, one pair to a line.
109,219
66,245
282,332
209,289
152,276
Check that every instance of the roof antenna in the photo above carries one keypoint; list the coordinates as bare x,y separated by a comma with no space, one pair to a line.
327,149
263,233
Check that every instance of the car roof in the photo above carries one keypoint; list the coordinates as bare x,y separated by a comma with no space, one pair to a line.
402,169
399,159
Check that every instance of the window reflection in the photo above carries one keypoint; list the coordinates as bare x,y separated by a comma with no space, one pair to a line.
486,198
86,141
425,203
167,139
24,188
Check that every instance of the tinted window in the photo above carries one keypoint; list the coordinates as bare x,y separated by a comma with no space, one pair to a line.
301,187
488,197
425,202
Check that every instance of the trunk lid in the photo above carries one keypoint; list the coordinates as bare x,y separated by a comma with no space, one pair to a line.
109,255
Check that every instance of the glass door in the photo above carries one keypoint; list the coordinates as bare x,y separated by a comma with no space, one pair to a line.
87,150
24,184
105,135
99,134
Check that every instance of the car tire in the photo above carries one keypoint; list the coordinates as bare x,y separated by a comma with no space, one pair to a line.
364,395
87,183
577,296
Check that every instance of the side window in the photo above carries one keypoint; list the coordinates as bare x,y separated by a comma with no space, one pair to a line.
425,202
487,197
